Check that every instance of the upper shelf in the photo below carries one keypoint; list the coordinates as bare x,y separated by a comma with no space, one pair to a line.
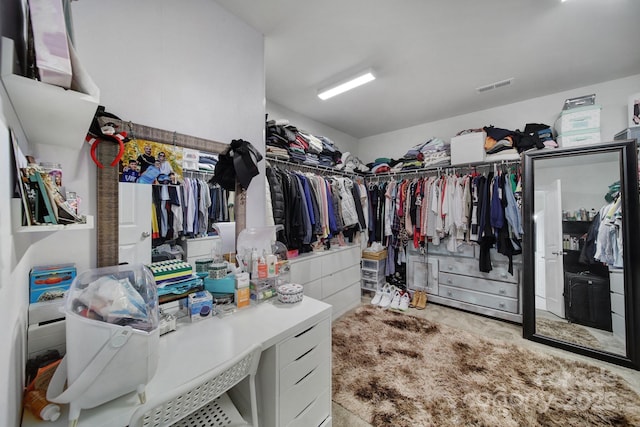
48,114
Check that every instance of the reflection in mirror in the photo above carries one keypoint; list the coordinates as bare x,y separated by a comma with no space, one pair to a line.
578,251
581,209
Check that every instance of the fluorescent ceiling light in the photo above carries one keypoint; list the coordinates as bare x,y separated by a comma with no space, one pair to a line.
344,86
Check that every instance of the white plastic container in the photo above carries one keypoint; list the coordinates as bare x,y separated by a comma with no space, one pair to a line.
112,347
468,148
578,119
579,138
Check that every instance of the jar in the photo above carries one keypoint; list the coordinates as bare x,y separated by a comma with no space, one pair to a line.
203,265
54,170
218,270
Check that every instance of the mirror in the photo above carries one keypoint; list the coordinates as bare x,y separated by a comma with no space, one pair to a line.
580,250
108,181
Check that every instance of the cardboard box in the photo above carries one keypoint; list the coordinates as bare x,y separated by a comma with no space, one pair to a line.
200,305
49,282
374,255
243,297
468,148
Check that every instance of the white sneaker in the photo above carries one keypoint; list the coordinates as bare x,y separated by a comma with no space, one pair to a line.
395,303
387,297
378,296
405,299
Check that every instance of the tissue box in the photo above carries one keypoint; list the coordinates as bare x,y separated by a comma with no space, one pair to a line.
200,305
49,282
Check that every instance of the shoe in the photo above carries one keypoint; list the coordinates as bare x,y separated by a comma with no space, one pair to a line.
378,296
414,300
387,297
404,302
395,302
422,301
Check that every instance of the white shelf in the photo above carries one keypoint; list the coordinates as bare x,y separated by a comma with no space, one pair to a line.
48,114
16,216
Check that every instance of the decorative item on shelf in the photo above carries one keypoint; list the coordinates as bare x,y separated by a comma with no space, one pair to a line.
290,293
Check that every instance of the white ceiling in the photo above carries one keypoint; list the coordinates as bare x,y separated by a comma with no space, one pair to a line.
430,56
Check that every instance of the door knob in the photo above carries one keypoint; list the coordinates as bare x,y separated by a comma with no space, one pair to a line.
558,253
145,234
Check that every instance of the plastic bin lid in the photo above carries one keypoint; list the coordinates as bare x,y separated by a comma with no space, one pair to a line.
122,295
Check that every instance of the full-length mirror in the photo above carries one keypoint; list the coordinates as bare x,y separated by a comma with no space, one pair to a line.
581,213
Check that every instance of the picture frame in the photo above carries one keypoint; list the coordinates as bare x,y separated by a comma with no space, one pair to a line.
634,110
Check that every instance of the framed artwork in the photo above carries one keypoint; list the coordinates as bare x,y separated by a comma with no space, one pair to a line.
634,110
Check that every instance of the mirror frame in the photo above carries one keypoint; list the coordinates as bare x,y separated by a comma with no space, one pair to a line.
629,187
107,180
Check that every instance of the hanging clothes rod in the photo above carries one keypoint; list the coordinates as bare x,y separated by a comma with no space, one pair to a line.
197,174
317,169
441,169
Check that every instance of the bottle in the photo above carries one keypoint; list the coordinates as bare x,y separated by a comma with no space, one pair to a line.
39,406
592,214
271,265
254,263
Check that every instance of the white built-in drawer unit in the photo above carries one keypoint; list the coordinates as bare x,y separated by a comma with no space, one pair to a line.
616,284
301,372
331,276
455,279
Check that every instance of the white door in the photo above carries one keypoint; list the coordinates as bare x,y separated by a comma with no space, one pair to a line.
134,209
553,251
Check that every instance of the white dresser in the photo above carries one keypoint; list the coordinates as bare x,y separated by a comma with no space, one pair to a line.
298,369
331,276
454,279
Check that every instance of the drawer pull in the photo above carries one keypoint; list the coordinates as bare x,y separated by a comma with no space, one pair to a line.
449,281
503,275
308,373
304,332
502,291
501,305
450,267
449,293
305,353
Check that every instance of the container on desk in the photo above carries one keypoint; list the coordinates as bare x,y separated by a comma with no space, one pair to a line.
104,359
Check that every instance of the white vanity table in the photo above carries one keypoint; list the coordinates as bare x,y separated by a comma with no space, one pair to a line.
296,340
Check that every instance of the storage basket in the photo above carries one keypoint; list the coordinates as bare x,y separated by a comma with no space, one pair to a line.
112,338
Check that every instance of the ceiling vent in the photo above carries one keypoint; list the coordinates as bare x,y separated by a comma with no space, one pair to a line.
495,85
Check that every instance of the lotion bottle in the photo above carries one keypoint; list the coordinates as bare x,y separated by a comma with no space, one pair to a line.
39,406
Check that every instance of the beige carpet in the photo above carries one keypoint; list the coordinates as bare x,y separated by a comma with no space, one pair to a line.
394,369
565,331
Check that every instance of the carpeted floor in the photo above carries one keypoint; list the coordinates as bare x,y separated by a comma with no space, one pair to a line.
395,369
566,331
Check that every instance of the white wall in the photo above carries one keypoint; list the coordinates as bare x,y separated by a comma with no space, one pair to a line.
204,78
187,66
343,141
612,96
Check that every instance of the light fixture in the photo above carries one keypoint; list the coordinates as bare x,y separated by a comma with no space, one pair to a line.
345,85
